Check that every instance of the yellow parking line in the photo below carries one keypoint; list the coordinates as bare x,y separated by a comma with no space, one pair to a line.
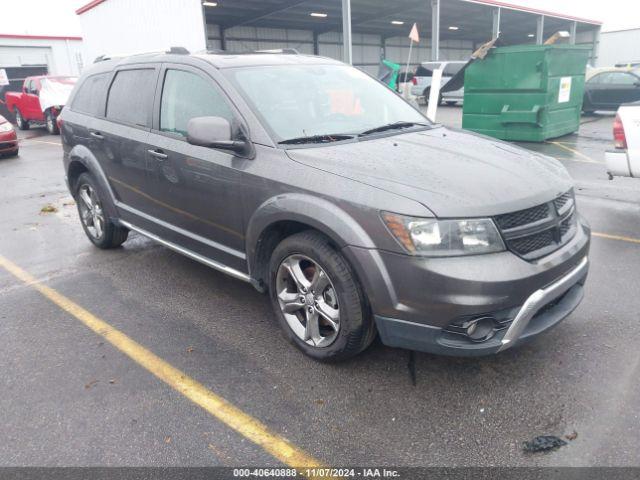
616,237
575,152
233,417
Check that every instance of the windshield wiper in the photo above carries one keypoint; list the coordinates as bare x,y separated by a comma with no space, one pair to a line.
393,126
326,138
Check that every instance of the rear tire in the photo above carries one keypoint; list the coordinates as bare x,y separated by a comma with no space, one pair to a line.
427,93
310,280
587,108
451,103
20,121
52,126
100,230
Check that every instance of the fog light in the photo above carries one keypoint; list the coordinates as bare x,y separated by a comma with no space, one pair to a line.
480,329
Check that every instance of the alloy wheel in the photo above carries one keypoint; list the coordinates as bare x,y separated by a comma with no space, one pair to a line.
19,119
91,213
308,300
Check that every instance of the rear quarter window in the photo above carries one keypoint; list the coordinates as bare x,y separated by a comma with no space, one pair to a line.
90,96
452,68
131,97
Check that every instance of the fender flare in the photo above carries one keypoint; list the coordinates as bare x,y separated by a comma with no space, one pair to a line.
331,220
81,154
316,212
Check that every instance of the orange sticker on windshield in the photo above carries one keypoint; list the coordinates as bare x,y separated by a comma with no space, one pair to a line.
345,102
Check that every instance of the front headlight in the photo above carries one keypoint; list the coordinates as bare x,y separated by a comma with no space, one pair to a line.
5,127
444,238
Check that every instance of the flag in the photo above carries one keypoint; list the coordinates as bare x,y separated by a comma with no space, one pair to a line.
413,35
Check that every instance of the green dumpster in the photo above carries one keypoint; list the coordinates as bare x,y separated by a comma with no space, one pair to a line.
526,92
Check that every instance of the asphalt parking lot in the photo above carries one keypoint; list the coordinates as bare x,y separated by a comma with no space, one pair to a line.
69,397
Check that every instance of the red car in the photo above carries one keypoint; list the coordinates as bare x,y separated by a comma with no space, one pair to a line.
8,138
40,101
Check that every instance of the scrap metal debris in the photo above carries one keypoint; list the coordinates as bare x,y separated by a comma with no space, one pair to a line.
543,443
571,436
91,384
48,209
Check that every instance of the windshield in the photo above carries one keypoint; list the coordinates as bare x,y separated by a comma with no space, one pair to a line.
309,100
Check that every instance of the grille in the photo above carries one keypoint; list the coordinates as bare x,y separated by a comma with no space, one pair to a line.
523,217
532,243
540,230
563,202
567,225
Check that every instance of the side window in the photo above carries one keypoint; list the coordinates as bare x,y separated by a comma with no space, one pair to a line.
90,96
131,96
596,79
452,68
186,95
426,69
623,79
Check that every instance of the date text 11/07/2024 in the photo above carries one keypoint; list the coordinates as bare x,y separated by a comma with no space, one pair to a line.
287,473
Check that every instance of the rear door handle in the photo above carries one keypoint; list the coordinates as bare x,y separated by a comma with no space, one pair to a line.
159,154
97,135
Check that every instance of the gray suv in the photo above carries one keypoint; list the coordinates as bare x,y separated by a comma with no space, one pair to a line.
323,188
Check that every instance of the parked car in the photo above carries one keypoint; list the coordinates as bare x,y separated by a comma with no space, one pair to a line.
609,89
423,76
624,161
8,138
40,101
325,189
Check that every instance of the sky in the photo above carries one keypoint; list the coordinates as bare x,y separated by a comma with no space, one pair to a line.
57,17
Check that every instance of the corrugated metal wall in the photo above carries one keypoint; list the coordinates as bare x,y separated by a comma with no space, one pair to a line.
367,49
619,47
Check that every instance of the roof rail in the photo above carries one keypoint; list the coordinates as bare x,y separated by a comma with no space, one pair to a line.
285,51
172,50
178,51
282,51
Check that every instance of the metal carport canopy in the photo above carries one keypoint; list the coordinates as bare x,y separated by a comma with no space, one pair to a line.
471,20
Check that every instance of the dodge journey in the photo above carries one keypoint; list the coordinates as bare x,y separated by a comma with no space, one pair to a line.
327,191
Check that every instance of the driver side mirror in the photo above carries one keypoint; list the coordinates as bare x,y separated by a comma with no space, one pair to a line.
215,132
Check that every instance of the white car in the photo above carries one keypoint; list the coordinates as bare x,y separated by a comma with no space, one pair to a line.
624,161
422,80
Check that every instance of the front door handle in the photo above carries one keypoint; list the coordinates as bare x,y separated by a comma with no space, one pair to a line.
97,135
159,154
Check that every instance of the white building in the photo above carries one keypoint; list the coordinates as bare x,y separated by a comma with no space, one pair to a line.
55,55
618,47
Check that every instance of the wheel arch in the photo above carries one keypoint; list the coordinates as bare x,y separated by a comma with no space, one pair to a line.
285,215
81,160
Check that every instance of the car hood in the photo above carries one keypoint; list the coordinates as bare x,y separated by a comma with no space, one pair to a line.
451,172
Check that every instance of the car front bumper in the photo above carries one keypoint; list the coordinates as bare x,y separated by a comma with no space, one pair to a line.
8,142
416,300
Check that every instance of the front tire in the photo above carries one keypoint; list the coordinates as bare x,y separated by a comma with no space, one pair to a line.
102,232
52,126
21,122
317,299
